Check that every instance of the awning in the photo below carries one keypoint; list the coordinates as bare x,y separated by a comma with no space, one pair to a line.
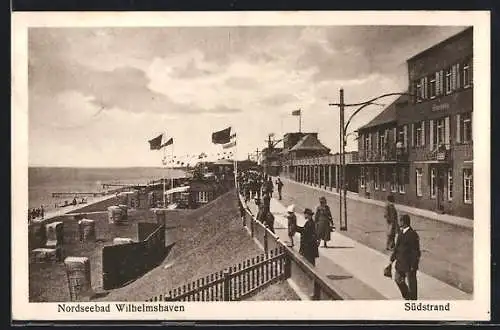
177,190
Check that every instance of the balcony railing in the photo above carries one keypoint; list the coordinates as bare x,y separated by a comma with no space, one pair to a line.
441,154
385,155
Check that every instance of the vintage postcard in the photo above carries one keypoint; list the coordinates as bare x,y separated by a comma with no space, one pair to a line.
251,166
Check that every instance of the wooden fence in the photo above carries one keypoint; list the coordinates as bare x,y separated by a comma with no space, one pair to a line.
235,283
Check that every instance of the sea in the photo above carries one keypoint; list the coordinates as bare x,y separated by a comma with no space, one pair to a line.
43,181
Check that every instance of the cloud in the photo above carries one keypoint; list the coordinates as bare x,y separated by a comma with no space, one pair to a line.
106,90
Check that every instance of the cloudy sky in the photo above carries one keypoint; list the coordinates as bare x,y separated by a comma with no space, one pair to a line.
96,95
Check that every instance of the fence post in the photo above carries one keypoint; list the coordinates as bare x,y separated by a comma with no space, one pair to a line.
251,226
265,240
227,285
288,266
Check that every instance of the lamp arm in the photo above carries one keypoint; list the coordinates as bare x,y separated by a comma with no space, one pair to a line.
367,103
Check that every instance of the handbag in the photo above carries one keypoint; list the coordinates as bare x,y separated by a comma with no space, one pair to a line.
388,271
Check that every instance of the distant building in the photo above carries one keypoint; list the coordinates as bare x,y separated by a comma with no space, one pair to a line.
433,166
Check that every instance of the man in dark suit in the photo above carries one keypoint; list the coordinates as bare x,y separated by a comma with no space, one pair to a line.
407,256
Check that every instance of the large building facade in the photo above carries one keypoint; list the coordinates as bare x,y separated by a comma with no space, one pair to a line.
422,149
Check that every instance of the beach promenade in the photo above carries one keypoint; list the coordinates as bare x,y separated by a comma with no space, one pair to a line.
346,259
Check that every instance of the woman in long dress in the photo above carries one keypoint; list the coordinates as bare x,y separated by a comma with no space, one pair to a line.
324,222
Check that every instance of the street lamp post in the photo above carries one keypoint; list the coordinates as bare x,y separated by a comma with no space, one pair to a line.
343,141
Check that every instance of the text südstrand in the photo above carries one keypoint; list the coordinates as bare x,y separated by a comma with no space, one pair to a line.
413,306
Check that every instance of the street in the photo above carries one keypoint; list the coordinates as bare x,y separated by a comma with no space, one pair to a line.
447,250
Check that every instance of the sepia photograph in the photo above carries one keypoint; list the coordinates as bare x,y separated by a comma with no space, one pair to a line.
285,168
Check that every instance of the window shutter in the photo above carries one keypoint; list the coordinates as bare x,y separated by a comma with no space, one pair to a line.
471,77
441,73
405,136
458,75
394,130
422,142
437,83
431,134
453,77
447,132
457,133
412,133
425,87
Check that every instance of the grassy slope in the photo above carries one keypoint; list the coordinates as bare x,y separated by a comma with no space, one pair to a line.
209,240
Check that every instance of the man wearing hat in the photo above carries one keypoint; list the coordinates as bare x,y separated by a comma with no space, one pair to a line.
407,256
292,223
308,238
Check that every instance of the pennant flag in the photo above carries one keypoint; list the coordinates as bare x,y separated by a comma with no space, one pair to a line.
155,144
222,137
169,142
296,112
229,145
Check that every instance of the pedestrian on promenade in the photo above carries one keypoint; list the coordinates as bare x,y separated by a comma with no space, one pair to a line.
324,221
269,220
292,223
279,184
266,200
269,186
391,216
308,238
260,210
407,256
42,211
246,190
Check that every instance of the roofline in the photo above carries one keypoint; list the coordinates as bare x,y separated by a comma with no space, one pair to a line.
439,44
367,126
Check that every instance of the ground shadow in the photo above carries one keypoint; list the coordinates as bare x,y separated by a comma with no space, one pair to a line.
167,250
336,247
339,277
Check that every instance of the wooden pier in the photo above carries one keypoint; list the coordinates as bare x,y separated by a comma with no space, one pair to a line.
79,194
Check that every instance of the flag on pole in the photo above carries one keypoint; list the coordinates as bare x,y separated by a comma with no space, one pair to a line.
169,142
155,144
222,137
296,112
231,143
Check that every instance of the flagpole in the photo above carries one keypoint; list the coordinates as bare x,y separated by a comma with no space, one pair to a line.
172,157
300,120
164,170
235,162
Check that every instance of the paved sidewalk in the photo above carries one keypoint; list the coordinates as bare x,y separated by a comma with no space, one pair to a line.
451,219
366,264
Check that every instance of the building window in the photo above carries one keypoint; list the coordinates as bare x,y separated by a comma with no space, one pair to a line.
418,90
439,132
433,184
419,182
468,187
403,136
466,75
450,184
394,179
402,181
367,142
447,81
432,86
362,179
418,139
203,197
376,178
466,127
368,178
383,179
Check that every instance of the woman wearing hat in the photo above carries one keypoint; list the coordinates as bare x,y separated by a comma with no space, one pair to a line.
308,238
292,223
324,221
